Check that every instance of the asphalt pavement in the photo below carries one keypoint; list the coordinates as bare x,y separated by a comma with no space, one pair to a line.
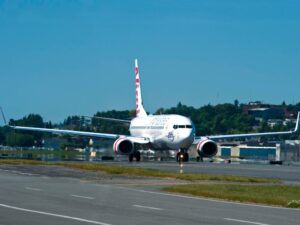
28,198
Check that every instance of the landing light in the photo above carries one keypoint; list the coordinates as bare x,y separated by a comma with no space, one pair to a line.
181,168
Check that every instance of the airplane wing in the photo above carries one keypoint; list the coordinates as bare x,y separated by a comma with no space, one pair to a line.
109,119
69,132
140,140
232,136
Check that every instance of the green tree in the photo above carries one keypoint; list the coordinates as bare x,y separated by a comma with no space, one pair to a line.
236,103
18,139
106,126
2,136
33,120
25,138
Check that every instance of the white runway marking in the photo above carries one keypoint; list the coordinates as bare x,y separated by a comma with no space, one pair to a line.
26,174
245,221
53,214
18,172
33,189
147,207
79,196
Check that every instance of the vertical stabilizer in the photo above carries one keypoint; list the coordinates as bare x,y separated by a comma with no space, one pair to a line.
140,111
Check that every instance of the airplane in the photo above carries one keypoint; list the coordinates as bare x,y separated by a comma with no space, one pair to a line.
158,132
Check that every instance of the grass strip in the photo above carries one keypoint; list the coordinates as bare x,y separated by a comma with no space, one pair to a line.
280,195
41,152
23,161
140,172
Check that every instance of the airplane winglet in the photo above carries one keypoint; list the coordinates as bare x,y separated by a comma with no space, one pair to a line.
297,123
3,116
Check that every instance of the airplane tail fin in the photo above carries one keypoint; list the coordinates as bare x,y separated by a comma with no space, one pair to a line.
140,111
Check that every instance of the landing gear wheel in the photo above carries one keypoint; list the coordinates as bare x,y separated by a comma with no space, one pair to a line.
178,156
185,157
137,156
182,156
130,157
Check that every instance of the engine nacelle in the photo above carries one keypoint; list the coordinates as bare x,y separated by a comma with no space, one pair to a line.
207,148
123,146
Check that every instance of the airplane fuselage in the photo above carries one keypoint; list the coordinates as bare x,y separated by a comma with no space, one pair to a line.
165,132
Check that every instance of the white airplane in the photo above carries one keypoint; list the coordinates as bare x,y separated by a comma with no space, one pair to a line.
158,132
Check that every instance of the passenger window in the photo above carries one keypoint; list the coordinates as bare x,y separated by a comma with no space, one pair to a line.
175,126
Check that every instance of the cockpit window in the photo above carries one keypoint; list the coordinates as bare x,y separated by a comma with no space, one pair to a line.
182,126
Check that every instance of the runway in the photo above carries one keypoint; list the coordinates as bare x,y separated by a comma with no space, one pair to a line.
27,198
288,174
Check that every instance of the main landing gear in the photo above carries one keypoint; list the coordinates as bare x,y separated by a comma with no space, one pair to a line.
182,156
136,155
200,157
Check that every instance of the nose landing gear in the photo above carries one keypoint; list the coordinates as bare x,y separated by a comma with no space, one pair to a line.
200,157
182,156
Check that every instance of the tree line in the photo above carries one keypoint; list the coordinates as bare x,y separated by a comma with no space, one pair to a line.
224,118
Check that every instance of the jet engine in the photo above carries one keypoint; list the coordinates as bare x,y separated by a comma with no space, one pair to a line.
123,146
207,148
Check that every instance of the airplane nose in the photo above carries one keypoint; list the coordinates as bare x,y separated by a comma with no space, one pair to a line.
188,135
191,134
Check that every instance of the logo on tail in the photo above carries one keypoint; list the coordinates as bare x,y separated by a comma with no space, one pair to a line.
140,111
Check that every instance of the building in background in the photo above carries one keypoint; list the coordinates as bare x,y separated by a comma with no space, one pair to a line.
267,111
286,152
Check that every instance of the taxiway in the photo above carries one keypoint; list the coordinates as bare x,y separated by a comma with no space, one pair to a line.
37,198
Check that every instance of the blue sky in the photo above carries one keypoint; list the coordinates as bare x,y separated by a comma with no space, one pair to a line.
60,58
